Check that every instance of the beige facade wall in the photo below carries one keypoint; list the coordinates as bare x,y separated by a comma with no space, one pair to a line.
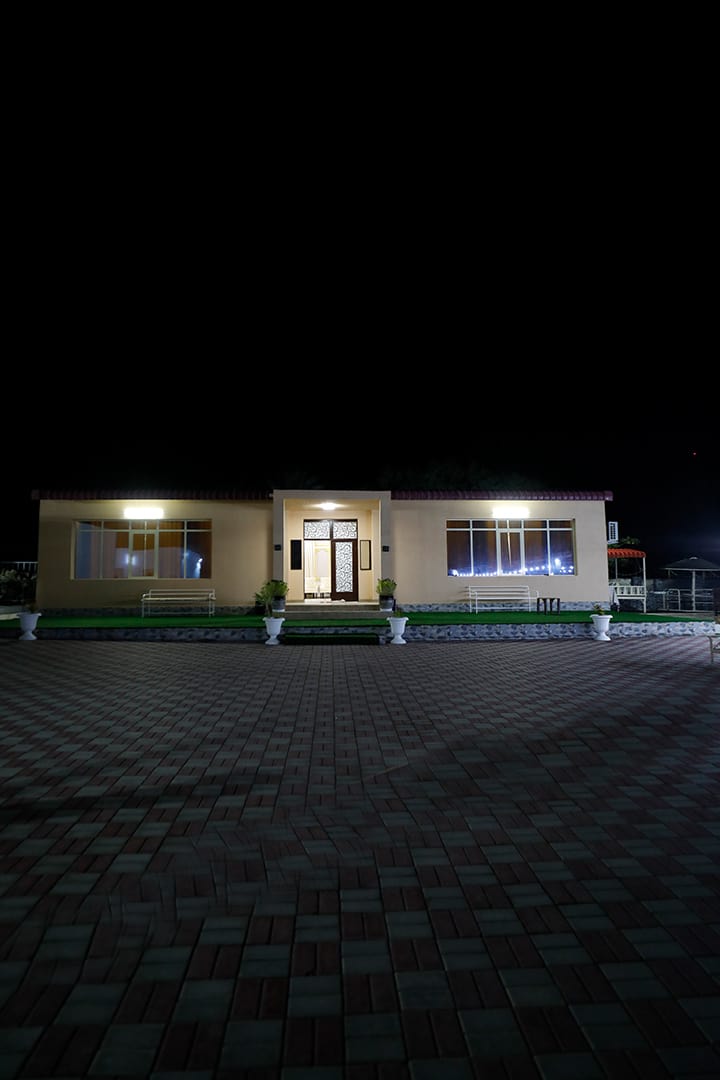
418,535
245,535
241,551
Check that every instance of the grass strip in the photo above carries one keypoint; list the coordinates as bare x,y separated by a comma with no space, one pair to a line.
415,618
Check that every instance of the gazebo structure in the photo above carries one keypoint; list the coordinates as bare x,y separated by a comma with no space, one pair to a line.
622,588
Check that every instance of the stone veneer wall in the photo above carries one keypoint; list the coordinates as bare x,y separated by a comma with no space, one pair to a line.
418,634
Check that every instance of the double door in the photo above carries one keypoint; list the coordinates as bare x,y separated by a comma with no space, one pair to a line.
330,562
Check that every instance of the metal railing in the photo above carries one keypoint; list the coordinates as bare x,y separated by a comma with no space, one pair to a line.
682,600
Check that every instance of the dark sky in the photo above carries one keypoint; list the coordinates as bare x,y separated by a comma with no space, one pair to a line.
356,290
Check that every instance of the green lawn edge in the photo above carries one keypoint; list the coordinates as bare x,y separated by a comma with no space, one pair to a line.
415,618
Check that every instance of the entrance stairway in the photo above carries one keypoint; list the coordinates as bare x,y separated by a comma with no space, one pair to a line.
335,609
340,611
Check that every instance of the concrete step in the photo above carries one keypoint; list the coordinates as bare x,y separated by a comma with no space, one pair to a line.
309,637
337,609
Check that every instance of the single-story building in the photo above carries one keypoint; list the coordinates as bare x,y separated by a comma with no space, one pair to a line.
102,549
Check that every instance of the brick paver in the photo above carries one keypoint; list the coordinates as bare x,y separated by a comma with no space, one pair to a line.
455,860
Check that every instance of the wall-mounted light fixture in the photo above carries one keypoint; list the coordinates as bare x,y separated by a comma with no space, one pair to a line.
144,513
509,510
329,506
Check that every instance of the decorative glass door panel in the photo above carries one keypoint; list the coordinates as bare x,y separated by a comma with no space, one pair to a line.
344,570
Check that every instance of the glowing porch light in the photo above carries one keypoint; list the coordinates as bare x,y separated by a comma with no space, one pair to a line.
329,506
144,513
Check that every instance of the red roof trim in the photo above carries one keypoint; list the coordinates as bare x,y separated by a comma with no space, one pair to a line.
236,496
556,496
625,553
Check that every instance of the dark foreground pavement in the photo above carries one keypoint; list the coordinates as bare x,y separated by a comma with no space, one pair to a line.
490,860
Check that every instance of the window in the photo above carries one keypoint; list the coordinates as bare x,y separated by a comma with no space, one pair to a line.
494,547
143,549
326,529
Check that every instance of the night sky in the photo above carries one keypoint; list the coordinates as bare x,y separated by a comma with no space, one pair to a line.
391,289
373,317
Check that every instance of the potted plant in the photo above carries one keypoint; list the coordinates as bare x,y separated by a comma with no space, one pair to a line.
28,618
271,596
398,622
279,591
386,591
601,622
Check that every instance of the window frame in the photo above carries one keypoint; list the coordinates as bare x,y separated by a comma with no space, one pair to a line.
105,562
510,540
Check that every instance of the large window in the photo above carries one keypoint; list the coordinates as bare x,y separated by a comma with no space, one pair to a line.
503,546
143,549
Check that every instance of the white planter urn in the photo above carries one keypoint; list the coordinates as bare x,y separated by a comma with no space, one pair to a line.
28,623
273,626
601,625
397,629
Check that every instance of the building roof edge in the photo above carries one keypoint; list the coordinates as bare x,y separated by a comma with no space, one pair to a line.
231,495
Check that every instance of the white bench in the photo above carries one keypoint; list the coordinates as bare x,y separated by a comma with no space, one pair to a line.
174,598
484,594
623,590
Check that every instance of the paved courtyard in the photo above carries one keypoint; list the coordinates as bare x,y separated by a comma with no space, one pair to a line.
463,861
